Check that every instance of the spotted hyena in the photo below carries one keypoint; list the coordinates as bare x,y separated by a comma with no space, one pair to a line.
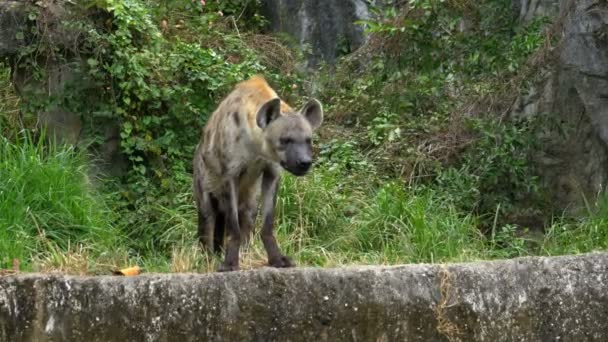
246,143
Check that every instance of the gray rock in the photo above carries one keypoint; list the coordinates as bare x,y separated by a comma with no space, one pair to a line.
526,299
324,27
573,95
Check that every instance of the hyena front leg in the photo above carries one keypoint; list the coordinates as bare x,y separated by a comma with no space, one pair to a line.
270,185
229,204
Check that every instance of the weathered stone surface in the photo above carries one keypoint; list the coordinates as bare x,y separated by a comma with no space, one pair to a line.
527,299
327,28
573,95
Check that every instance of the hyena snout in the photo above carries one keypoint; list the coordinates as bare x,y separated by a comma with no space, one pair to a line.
298,163
299,167
304,164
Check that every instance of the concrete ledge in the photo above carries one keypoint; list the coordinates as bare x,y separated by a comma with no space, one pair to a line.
526,299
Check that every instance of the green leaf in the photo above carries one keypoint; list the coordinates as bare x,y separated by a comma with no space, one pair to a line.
127,127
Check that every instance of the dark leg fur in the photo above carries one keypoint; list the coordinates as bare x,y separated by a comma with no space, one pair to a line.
229,205
206,217
203,237
218,234
270,184
210,223
247,214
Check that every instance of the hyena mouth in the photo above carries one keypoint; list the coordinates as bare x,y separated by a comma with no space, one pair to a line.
294,170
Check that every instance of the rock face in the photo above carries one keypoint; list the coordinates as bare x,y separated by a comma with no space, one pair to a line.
324,27
573,95
529,9
528,299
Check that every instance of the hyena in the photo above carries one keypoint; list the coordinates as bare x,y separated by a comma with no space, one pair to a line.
244,146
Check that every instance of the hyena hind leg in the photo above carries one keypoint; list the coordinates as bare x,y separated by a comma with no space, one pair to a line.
210,224
219,230
247,216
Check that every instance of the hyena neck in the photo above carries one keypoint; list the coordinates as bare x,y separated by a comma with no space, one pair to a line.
266,152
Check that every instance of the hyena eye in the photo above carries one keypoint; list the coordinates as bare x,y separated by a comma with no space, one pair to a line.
285,141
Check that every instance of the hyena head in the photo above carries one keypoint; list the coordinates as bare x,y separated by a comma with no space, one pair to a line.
289,136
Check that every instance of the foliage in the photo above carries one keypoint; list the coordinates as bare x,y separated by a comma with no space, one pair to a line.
9,104
423,58
396,109
343,155
496,177
157,69
425,62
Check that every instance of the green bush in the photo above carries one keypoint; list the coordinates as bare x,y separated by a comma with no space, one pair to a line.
496,172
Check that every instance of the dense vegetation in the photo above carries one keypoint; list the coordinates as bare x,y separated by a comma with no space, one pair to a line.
416,160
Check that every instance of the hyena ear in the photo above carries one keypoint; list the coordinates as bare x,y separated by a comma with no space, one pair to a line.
268,112
313,112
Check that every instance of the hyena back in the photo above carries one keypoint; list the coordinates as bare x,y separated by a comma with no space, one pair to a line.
248,140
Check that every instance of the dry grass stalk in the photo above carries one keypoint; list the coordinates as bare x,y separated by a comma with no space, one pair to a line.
444,325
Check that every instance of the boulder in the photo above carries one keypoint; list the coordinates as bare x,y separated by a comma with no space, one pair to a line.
572,95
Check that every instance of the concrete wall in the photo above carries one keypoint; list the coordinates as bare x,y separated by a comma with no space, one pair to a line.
530,299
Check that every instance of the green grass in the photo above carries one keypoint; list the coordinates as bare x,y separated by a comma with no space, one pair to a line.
53,219
324,222
48,204
396,224
581,235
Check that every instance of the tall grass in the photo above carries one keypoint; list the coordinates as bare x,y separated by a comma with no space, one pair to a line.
47,203
324,221
328,219
52,219
581,235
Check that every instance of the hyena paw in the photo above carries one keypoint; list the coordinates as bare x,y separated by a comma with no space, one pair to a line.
281,262
225,267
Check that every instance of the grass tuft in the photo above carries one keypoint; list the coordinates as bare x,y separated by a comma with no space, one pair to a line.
47,202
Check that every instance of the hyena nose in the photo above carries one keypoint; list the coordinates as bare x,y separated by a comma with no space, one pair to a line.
304,164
